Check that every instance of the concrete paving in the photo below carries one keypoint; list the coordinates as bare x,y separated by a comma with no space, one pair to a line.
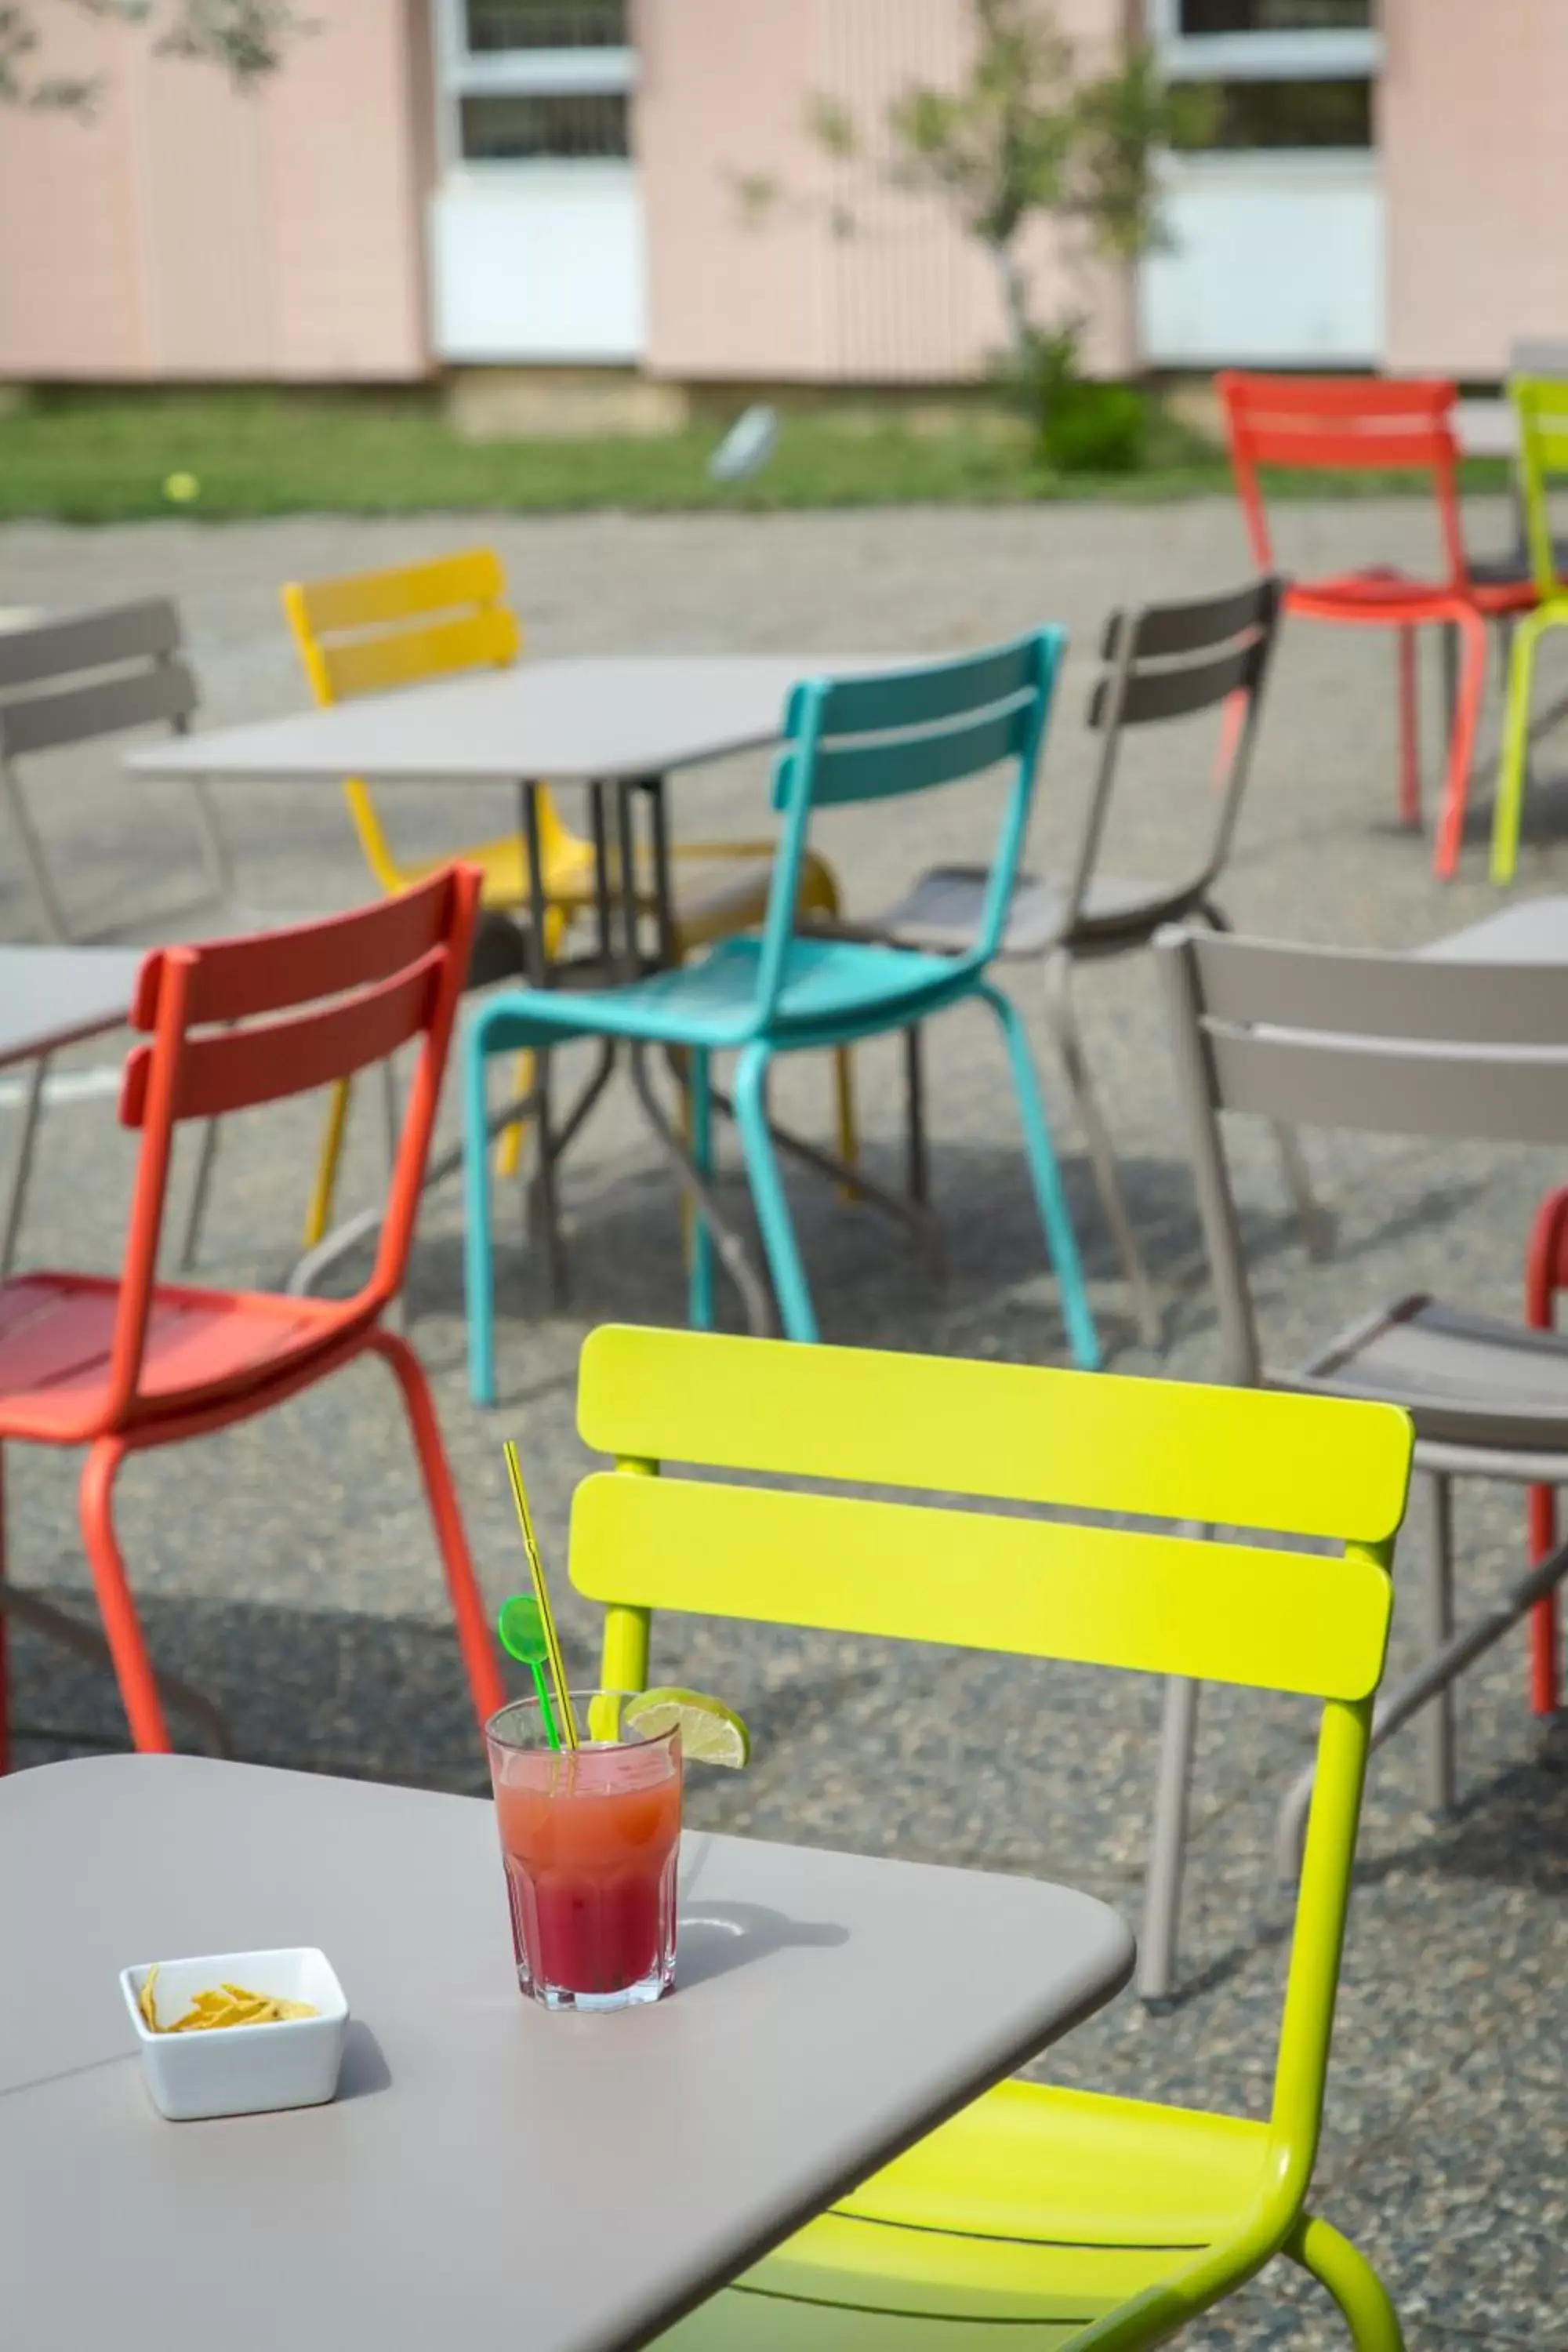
286,1565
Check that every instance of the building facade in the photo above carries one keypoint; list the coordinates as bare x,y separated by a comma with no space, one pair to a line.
635,184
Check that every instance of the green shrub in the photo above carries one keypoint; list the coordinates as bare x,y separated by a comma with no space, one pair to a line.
1094,428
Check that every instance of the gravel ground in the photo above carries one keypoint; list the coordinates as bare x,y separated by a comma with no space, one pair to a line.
286,1565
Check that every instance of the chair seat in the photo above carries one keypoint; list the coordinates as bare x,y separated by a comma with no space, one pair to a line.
1030,2213
941,912
828,985
1383,594
1465,1378
715,888
56,1331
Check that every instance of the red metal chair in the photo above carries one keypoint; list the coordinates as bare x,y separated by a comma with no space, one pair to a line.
1545,1274
1357,421
119,1365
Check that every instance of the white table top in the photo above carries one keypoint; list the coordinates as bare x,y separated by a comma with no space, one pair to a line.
51,996
1528,930
490,2174
590,720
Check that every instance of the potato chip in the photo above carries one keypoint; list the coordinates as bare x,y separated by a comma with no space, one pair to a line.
224,2005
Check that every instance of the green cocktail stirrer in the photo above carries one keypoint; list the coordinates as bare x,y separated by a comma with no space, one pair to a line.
521,1631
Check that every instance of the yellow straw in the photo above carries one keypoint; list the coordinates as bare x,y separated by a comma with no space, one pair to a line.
569,1732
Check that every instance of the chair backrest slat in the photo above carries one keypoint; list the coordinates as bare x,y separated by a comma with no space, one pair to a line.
401,592
1150,695
274,1059
1023,1431
926,696
1540,405
103,640
889,765
380,664
1160,631
1037,1588
80,712
1323,992
1383,1093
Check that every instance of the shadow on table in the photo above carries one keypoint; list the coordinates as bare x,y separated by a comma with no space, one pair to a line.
717,1937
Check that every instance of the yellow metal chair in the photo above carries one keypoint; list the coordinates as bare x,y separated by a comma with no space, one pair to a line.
1541,404
1038,2217
373,632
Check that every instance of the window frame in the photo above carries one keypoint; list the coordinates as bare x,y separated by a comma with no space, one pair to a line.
1349,53
461,72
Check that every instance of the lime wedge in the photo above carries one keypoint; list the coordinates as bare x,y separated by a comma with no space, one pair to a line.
710,1732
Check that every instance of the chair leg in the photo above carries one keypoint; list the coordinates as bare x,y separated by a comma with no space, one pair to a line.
1168,1840
1350,2278
196,1212
544,1205
1312,1220
5,1644
844,1116
1409,734
700,1140
1541,1518
1102,1151
1545,1274
479,1270
1462,746
485,1684
123,1630
318,1216
1439,1626
916,1163
1061,1242
511,1155
790,1286
1513,766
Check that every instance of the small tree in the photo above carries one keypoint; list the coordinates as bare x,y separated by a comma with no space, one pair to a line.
1028,137
246,37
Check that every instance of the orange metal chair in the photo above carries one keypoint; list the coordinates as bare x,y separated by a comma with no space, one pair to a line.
120,1365
1355,422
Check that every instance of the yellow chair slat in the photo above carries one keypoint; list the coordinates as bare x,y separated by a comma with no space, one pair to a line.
1039,1588
405,591
1164,1449
378,663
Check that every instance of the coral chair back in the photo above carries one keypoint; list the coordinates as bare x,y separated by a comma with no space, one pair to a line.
372,632
240,1023
1138,1597
1344,424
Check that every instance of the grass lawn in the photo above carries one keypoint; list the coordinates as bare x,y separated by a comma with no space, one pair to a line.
92,457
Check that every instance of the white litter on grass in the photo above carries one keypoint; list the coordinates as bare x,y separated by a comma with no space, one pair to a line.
67,1086
747,447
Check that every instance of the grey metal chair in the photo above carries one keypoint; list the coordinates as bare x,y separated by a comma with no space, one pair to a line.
1379,1044
1161,662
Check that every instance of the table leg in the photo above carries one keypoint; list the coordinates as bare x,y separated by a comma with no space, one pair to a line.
544,1222
32,1111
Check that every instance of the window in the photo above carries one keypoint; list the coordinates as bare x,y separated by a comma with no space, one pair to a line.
1194,18
1262,114
525,127
501,25
536,81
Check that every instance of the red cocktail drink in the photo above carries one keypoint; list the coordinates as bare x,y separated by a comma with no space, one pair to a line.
589,1840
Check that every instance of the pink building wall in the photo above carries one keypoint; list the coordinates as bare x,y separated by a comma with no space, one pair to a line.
725,90
1474,132
189,231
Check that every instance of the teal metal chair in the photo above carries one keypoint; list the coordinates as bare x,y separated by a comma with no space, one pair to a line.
781,991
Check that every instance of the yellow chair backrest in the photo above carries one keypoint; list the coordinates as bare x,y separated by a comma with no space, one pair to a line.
1541,404
1127,1595
371,632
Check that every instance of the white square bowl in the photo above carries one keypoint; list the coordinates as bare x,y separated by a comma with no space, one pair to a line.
241,2070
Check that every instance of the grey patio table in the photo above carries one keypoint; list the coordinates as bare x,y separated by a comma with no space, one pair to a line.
490,2174
1527,930
620,723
